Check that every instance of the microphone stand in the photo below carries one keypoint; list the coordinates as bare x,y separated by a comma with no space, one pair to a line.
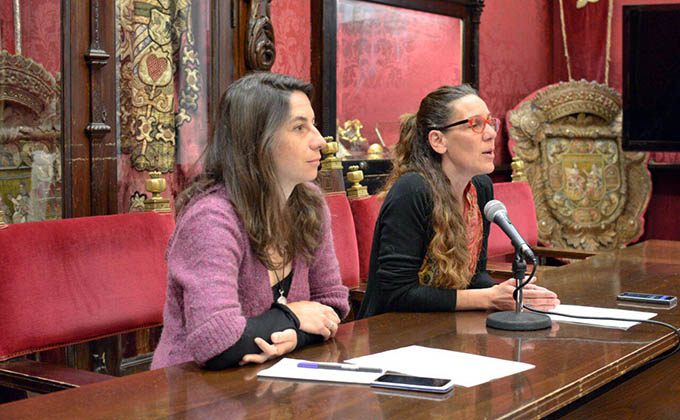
518,320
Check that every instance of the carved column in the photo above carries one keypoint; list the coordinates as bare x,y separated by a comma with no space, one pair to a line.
99,129
473,55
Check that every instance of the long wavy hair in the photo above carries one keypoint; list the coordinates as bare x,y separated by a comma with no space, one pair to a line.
240,155
447,253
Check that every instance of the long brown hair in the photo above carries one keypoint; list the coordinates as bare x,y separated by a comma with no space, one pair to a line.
447,253
240,155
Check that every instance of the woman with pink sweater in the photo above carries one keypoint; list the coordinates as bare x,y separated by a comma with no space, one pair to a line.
252,272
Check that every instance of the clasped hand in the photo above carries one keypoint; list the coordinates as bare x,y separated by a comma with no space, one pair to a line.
314,317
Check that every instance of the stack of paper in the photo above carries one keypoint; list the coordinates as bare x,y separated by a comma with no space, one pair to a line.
599,313
462,368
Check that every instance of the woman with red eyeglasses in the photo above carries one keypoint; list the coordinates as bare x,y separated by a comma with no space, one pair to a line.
429,245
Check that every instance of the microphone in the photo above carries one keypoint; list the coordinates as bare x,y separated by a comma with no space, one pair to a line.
495,212
516,320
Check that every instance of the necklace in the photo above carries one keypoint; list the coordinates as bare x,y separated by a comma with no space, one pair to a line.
281,299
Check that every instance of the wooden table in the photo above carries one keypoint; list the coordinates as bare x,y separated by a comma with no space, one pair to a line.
571,361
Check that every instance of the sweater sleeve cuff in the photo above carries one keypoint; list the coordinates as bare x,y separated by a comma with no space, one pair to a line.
216,334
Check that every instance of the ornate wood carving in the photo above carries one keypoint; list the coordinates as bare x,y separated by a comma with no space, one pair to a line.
96,58
589,194
260,50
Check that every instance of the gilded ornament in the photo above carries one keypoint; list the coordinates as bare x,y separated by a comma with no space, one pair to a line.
584,185
355,176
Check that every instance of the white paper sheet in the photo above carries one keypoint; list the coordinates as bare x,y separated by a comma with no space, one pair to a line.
288,369
462,368
599,312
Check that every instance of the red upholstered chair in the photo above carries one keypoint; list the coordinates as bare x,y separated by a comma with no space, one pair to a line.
345,243
365,212
519,201
344,237
74,280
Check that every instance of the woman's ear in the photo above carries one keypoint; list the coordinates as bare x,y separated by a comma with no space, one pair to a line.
437,141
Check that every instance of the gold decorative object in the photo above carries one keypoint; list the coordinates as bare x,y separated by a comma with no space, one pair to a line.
589,194
330,161
355,176
376,151
518,166
350,137
156,185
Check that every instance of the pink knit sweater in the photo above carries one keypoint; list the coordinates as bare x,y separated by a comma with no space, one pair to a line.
215,281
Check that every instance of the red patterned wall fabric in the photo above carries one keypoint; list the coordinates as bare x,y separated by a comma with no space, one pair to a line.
388,59
515,45
40,31
292,32
7,25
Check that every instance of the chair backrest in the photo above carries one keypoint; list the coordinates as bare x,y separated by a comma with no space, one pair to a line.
589,194
344,237
73,280
365,212
519,202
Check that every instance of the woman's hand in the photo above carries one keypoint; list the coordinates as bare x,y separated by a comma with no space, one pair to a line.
282,342
316,318
535,296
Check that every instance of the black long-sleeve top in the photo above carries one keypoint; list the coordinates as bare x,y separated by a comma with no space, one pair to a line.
402,234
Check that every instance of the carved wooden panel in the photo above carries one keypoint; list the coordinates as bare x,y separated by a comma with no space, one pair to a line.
589,194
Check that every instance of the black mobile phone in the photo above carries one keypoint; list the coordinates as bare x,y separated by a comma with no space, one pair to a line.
415,383
648,298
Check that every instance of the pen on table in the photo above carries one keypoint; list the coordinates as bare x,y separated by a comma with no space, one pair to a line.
338,366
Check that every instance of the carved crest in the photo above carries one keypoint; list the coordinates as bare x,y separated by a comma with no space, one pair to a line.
589,194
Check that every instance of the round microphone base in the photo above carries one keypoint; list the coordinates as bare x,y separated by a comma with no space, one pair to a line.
514,321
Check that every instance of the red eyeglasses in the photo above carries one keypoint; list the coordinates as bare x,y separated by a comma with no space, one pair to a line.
477,124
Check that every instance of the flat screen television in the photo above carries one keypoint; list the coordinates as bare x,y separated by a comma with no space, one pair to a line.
651,77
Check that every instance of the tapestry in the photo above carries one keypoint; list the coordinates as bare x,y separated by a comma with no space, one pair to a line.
160,79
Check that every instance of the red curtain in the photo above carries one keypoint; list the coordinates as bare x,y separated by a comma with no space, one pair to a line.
581,26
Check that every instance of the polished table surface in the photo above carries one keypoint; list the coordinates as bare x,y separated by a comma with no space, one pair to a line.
571,361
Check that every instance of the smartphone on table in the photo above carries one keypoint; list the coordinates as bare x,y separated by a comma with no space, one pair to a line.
413,383
648,298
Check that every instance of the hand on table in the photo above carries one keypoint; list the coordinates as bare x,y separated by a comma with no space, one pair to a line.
532,295
316,318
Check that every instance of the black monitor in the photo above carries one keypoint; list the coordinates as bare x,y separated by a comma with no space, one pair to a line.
651,77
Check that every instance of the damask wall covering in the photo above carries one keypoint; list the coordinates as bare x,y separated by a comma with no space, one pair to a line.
388,59
292,29
515,44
